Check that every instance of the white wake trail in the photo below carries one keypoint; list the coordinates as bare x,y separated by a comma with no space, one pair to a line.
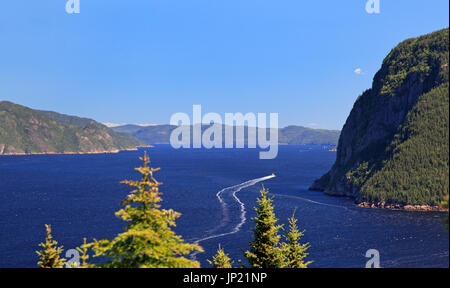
310,201
233,190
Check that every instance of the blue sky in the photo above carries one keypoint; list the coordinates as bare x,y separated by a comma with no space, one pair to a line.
140,61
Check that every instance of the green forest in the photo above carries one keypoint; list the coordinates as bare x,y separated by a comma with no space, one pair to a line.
394,147
149,241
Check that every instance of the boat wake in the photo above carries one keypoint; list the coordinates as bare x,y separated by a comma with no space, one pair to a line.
226,197
310,201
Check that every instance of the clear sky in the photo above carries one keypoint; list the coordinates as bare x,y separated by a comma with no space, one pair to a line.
140,61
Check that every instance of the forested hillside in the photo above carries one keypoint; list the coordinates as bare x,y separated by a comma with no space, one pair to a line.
27,131
394,147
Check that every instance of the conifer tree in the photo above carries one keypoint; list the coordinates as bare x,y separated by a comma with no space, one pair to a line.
148,241
50,253
84,251
294,252
265,251
221,260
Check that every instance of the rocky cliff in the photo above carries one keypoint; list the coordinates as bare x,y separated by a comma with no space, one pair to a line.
394,145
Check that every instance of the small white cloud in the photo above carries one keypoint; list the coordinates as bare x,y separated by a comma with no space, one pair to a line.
313,124
358,71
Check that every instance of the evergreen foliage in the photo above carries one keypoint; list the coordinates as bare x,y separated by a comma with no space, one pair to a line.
295,252
221,259
50,253
265,250
394,147
148,241
417,168
84,254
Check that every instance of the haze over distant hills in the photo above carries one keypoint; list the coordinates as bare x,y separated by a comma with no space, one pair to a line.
291,135
27,131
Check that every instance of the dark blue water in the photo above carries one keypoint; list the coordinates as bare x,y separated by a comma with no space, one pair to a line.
78,195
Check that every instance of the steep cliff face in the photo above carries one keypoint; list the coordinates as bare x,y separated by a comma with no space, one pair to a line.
413,76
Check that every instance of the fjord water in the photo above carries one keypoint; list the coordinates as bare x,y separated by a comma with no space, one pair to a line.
78,195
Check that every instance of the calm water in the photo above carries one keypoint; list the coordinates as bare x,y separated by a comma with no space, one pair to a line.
78,195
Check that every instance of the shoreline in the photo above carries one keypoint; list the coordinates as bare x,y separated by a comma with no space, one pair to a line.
388,206
77,153
401,207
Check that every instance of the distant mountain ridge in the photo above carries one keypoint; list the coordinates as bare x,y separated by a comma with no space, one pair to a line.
394,147
27,131
291,135
299,135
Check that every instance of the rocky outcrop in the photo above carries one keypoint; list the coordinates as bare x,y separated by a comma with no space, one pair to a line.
412,69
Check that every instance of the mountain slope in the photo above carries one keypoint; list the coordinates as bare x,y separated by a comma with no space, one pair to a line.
27,131
152,134
120,138
129,128
66,119
298,135
395,143
291,135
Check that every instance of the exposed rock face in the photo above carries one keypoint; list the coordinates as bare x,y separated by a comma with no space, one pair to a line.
412,69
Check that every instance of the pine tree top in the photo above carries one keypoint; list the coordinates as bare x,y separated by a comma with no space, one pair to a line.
221,259
148,241
294,251
264,248
50,253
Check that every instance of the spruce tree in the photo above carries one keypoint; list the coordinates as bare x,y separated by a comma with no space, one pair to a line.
84,251
265,251
294,252
148,241
221,260
50,253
